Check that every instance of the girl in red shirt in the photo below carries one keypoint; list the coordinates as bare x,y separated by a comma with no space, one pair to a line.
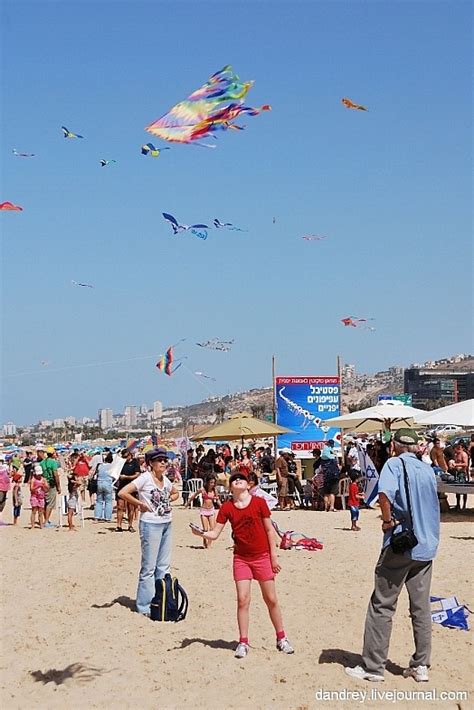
254,557
353,499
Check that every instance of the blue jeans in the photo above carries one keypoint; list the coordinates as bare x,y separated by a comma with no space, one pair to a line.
156,559
103,503
354,513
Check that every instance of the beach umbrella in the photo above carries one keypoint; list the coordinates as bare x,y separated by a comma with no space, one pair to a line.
240,426
461,413
387,414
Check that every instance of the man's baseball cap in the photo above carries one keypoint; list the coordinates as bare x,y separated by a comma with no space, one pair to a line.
406,436
238,474
158,453
50,450
286,450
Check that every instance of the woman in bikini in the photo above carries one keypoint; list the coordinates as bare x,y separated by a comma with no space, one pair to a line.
207,511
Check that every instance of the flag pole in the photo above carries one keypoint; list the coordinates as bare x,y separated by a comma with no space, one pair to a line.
274,404
339,374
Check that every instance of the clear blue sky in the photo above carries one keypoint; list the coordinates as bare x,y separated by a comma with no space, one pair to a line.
390,188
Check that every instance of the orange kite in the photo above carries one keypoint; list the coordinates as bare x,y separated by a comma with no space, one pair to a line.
350,104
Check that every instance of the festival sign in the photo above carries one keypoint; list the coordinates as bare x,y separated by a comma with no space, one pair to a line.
303,404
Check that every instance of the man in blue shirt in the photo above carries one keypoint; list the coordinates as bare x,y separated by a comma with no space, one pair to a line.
412,568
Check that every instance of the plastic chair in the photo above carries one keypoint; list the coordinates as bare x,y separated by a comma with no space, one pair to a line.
194,485
343,491
271,488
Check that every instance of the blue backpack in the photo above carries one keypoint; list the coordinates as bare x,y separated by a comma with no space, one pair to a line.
170,602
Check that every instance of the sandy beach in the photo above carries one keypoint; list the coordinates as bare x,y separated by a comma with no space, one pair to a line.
70,636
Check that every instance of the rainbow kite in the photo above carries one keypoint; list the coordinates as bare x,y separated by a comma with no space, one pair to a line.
210,108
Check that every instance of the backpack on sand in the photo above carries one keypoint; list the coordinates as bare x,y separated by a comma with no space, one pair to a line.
170,602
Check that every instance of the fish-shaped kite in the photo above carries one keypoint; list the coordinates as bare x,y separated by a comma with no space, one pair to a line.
357,322
350,104
312,238
103,162
206,377
22,155
226,225
212,107
70,134
149,149
10,207
217,344
77,283
199,230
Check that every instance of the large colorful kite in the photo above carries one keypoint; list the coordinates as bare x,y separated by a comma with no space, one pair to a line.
70,134
350,104
166,362
199,230
10,207
149,149
212,107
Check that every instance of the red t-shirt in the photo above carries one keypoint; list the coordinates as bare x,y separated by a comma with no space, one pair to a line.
248,531
353,499
81,468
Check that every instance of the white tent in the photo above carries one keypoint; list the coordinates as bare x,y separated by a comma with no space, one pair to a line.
388,414
461,413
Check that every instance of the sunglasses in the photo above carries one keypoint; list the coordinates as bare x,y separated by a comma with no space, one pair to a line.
161,460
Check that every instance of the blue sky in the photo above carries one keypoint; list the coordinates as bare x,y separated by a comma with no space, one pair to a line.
390,188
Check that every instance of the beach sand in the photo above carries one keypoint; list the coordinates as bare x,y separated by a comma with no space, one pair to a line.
70,637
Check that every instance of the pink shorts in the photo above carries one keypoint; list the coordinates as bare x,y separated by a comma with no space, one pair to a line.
36,501
207,512
259,568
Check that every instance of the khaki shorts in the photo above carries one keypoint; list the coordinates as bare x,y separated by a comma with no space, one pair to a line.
283,487
50,498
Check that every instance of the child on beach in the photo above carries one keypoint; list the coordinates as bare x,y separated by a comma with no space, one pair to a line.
308,495
254,557
38,488
73,488
207,512
17,496
353,499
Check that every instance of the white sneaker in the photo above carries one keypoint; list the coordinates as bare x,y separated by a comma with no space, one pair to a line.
285,646
241,650
419,673
362,674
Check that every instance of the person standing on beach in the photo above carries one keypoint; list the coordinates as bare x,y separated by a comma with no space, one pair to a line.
281,470
155,495
50,466
411,568
28,464
130,471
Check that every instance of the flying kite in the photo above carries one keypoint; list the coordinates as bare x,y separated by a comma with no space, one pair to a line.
10,207
103,162
215,344
165,363
357,322
350,104
149,149
313,238
77,283
227,225
70,134
206,377
193,228
212,107
22,155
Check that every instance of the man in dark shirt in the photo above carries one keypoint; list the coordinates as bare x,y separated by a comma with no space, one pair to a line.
130,471
28,466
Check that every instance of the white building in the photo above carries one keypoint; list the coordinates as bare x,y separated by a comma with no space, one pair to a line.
130,415
9,429
105,418
144,409
71,421
58,423
157,410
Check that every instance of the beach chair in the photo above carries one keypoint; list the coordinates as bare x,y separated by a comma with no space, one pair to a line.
62,510
343,491
195,484
271,488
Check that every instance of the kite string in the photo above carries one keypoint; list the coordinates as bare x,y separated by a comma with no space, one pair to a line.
75,367
198,379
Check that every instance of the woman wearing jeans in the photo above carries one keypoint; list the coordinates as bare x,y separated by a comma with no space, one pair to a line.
155,495
104,496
